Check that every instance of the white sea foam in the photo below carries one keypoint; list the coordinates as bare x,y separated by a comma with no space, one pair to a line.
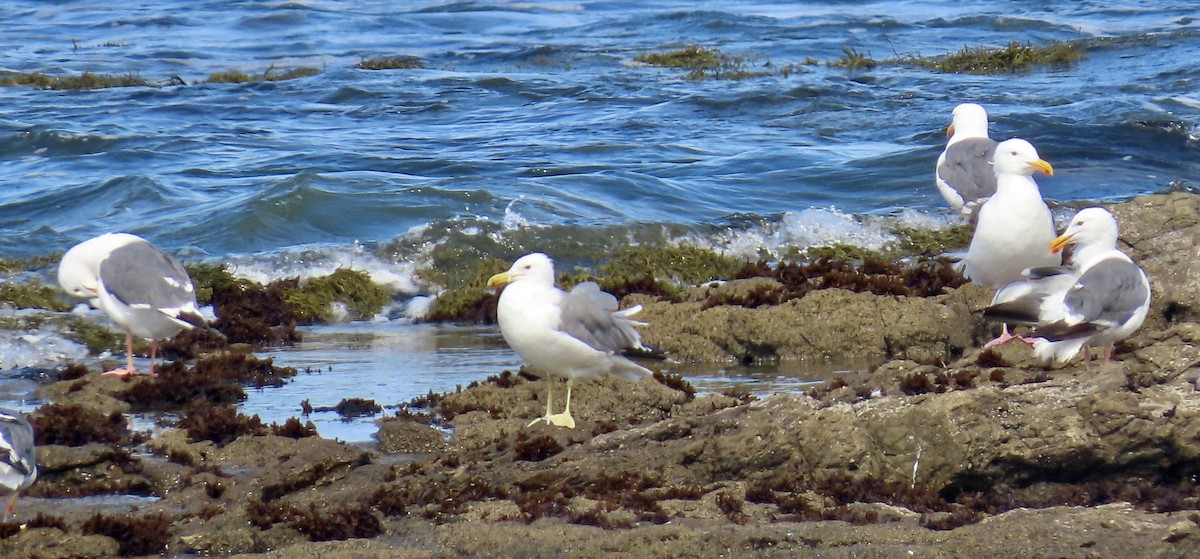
309,262
815,227
43,346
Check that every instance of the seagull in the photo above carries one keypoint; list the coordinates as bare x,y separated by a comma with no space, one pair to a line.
1015,225
964,169
142,289
18,466
1102,298
576,334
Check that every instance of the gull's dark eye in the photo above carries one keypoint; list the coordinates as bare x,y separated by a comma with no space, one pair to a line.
528,266
1014,153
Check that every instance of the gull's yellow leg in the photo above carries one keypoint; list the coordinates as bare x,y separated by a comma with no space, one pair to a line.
549,394
563,419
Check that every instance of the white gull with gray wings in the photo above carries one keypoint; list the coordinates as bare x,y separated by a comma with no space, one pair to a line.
18,467
964,173
576,334
142,289
1103,298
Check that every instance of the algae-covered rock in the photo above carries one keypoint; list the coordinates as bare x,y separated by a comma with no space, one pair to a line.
823,325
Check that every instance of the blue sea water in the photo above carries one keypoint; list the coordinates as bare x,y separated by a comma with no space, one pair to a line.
535,116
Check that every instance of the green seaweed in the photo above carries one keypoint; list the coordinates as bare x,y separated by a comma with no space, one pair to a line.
207,277
837,251
32,295
391,63
86,80
702,63
912,241
470,299
1014,57
853,60
313,300
30,264
684,265
268,75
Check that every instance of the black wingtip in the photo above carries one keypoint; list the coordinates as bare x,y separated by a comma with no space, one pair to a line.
198,321
1015,312
1060,330
645,352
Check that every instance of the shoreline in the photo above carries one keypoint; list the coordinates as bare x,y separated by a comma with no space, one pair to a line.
942,450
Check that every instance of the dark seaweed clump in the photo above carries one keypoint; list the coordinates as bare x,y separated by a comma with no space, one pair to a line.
74,425
938,381
217,379
535,448
318,523
676,382
146,534
926,278
223,424
350,408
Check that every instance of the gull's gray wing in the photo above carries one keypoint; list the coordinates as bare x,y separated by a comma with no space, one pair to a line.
967,168
17,432
1107,295
1020,302
587,315
138,274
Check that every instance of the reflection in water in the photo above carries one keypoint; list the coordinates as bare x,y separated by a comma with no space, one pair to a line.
392,363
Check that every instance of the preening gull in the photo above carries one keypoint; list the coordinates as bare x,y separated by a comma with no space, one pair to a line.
964,173
1102,298
141,288
1015,226
577,334
18,466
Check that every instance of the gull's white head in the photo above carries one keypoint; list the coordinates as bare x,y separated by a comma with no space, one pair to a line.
967,121
79,269
535,267
1091,227
1018,157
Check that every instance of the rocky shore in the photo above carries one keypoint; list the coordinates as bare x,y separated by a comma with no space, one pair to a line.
943,450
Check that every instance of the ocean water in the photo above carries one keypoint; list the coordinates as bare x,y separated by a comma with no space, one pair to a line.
533,125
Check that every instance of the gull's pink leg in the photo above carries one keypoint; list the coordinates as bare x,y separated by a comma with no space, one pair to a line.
153,351
1005,336
128,370
1108,351
10,507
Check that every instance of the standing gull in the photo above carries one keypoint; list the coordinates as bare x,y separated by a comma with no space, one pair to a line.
18,467
964,173
1015,226
1102,298
141,288
579,334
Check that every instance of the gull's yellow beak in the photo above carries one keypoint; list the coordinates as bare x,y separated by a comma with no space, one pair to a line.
503,278
950,130
1060,242
1042,166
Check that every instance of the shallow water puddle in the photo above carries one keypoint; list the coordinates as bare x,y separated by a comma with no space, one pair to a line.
392,363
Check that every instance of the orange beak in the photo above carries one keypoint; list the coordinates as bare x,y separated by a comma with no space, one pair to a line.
1060,242
1042,166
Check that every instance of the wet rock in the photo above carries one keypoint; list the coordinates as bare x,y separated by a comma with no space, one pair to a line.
52,543
823,325
397,436
1162,234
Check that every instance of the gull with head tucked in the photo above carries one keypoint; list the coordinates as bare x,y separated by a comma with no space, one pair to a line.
142,289
578,334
